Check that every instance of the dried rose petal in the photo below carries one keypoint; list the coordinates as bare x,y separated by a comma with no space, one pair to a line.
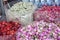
8,28
48,14
38,31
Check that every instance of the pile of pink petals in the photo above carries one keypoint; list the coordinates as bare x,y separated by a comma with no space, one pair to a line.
39,31
48,14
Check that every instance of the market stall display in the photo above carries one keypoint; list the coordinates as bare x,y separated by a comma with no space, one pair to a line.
39,31
30,20
21,12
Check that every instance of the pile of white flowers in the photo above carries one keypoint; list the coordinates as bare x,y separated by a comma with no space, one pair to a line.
21,12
